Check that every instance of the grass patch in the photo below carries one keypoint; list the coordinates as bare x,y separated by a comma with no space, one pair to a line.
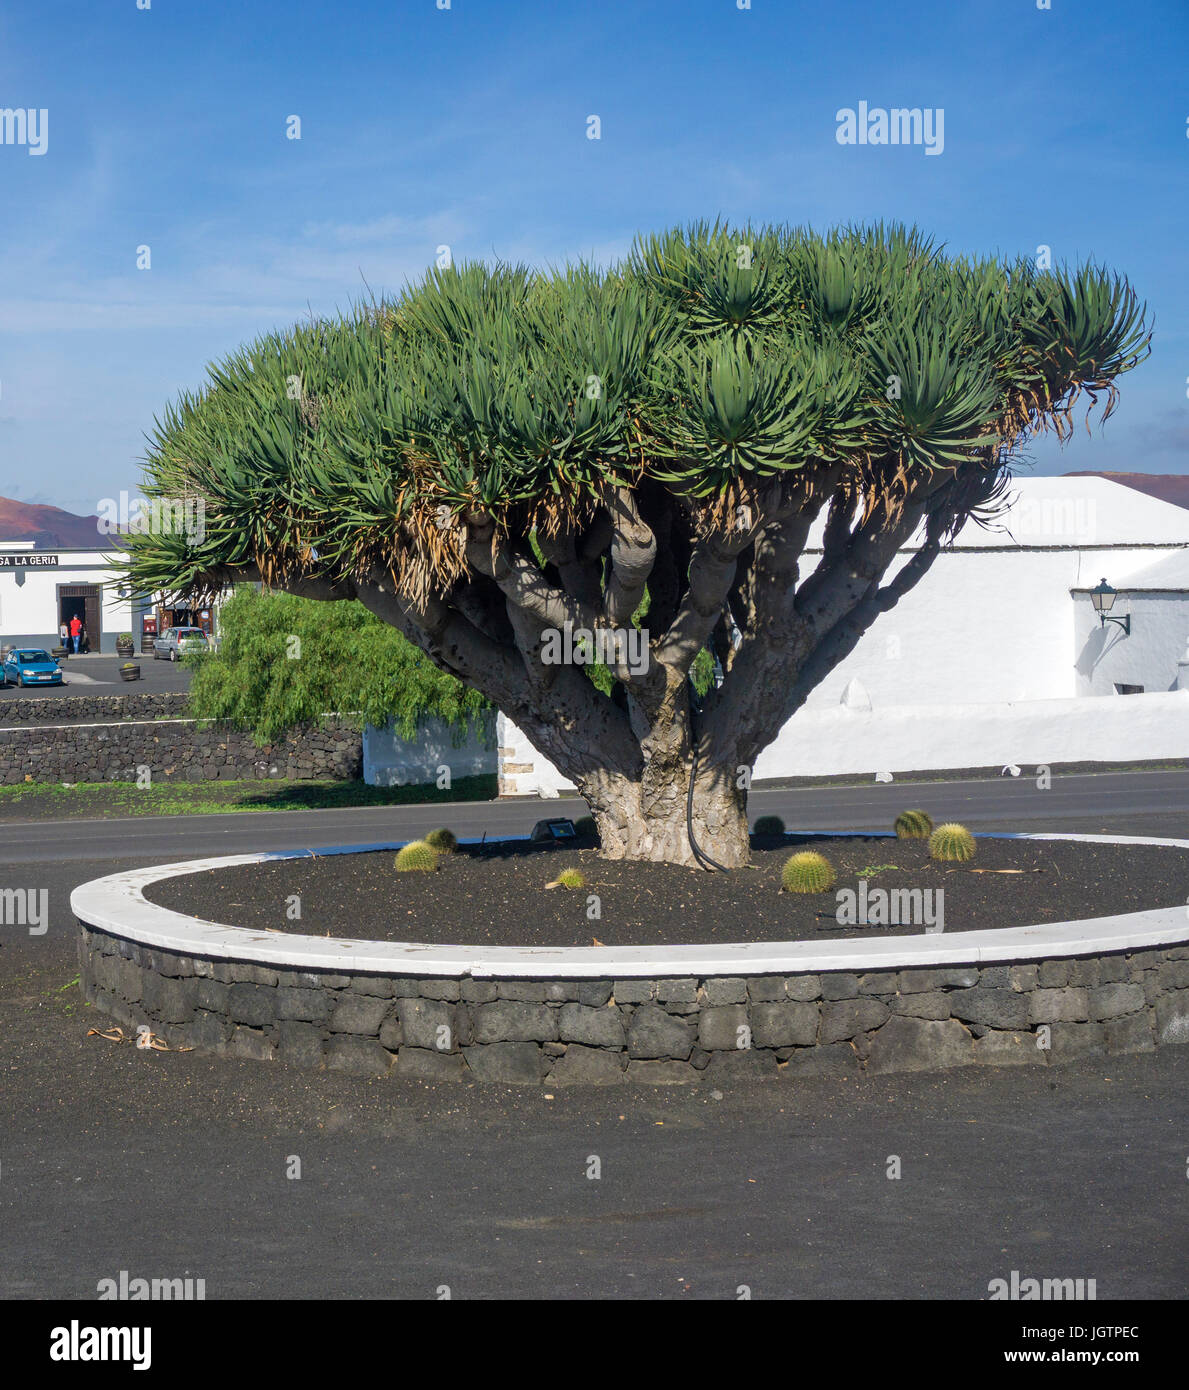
33,801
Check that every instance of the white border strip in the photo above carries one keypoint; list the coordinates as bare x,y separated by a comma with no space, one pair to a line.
117,904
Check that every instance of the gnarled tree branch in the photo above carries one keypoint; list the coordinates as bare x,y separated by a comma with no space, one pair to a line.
633,552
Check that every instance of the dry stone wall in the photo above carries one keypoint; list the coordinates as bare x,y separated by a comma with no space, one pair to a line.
1030,1013
176,750
98,709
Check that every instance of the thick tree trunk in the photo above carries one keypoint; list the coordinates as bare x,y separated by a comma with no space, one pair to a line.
646,818
732,585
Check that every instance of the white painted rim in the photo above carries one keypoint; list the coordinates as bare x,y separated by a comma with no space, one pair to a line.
117,905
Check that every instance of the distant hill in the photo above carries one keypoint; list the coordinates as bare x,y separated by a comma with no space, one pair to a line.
1168,487
50,528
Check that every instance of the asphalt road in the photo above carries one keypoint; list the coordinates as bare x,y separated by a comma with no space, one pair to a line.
168,1164
1153,803
99,674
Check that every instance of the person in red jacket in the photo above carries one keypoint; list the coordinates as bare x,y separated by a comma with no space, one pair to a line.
76,628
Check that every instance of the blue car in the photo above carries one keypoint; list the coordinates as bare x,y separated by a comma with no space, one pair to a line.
31,666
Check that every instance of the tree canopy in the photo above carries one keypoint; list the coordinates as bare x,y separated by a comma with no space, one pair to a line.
500,452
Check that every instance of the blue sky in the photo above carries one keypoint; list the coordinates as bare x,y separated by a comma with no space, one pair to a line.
467,127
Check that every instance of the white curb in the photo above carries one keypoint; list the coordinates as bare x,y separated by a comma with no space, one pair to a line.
117,905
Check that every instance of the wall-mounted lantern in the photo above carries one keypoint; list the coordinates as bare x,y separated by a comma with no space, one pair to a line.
1103,598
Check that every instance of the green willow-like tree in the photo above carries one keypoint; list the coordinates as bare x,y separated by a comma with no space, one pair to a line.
283,661
497,456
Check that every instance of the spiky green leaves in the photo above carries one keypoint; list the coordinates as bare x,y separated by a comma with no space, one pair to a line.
1084,331
713,280
713,358
726,412
529,381
938,404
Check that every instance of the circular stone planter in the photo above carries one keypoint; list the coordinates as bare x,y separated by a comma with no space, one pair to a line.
1022,995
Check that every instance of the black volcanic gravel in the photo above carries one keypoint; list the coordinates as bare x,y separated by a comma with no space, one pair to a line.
496,896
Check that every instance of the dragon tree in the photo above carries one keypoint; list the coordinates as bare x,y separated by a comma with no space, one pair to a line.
630,460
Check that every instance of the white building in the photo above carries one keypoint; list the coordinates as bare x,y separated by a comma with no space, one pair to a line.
1112,661
40,589
997,655
1006,613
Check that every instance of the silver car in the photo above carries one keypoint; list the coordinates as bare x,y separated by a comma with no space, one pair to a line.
179,639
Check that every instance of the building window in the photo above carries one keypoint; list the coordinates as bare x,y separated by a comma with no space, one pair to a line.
1128,689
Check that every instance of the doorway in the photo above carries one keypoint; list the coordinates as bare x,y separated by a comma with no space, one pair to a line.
82,601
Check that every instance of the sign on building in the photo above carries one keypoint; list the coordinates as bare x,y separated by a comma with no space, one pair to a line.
30,559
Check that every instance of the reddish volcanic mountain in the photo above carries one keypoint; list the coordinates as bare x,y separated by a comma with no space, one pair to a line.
50,528
1168,487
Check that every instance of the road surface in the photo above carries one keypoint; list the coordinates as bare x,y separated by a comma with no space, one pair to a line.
171,1165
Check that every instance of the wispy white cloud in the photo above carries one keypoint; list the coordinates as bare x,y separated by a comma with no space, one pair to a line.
442,226
84,315
215,277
